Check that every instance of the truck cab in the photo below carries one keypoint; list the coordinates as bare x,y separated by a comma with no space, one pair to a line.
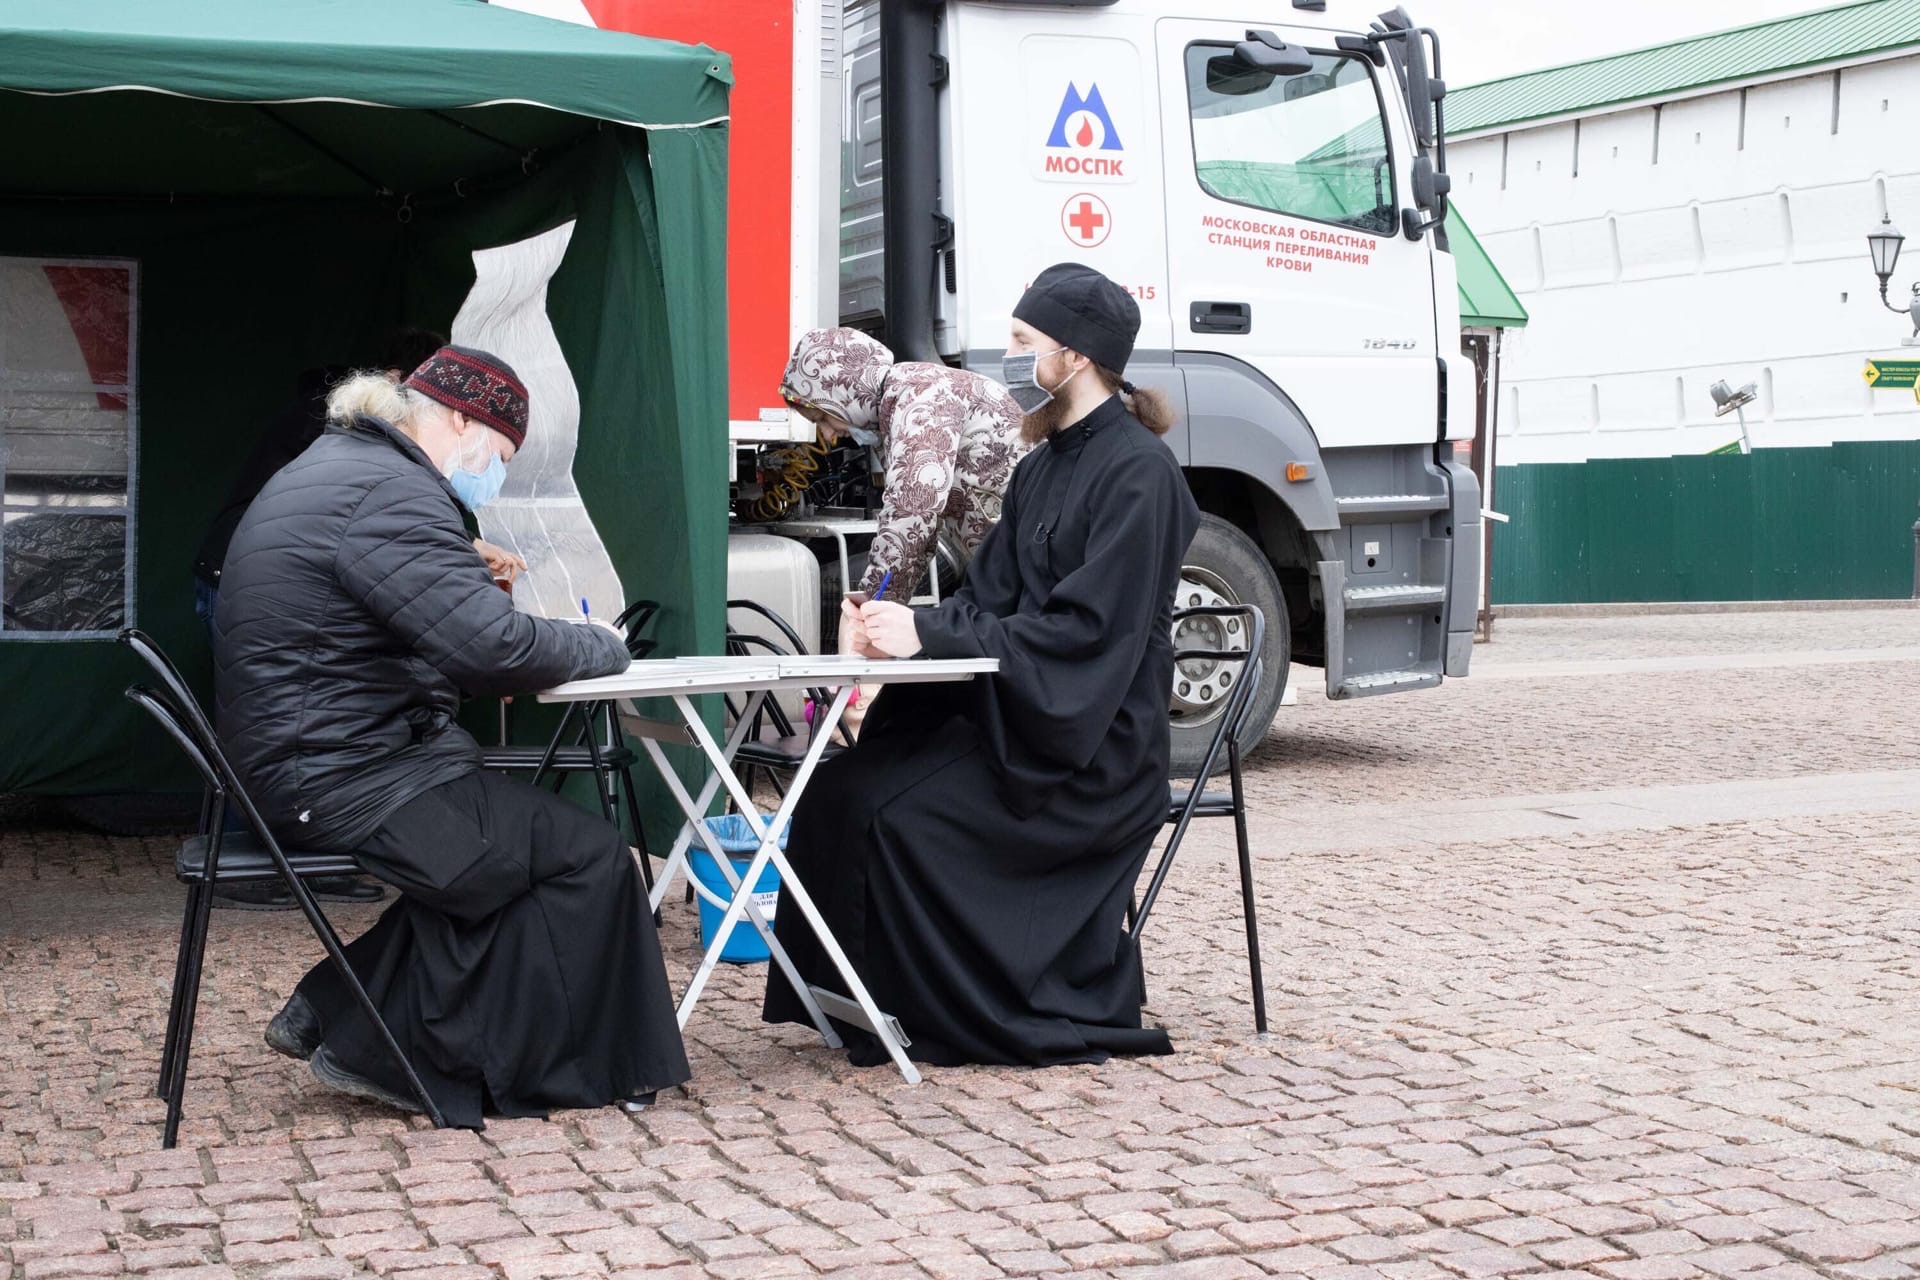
1269,183
1273,195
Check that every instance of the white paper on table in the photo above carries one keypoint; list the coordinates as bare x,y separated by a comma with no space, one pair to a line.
539,513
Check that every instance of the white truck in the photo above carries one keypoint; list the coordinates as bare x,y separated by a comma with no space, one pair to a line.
1271,188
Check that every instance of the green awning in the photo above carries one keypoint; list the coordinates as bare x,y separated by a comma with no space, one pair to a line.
437,54
1486,300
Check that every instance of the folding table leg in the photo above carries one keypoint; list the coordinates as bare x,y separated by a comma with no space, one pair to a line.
769,852
693,809
677,856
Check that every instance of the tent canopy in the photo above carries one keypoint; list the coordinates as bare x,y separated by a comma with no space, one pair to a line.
428,54
277,184
492,86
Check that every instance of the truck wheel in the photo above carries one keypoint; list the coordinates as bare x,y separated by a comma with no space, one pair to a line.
1223,566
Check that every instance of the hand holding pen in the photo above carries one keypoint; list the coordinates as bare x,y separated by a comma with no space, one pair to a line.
586,615
890,629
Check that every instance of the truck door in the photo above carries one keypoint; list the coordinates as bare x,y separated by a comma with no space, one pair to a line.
1283,242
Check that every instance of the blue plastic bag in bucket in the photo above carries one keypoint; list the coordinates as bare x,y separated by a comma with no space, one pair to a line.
732,833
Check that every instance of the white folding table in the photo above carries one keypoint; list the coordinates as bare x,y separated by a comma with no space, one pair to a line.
682,679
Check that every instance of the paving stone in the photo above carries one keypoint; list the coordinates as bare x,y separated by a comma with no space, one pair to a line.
1498,1049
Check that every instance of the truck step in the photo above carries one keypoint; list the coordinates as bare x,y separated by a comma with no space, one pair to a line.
1393,599
1388,682
1389,504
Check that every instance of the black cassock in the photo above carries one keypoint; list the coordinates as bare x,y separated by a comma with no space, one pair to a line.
975,853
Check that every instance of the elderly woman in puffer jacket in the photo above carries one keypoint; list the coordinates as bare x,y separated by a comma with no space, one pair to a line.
518,969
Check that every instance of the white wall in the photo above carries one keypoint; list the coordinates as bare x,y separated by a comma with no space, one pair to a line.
1738,253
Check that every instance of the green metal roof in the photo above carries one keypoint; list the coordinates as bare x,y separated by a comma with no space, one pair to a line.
1486,300
1800,42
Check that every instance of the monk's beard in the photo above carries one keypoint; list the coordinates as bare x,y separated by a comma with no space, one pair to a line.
1043,422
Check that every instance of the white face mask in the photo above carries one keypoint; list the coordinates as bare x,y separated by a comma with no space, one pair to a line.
865,436
1021,375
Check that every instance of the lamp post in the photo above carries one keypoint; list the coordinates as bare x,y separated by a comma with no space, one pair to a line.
1883,246
1726,400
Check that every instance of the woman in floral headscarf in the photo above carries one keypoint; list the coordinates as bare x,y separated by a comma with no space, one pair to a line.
949,439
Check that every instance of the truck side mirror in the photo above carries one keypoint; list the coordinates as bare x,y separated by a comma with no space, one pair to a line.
1420,94
1430,188
1265,51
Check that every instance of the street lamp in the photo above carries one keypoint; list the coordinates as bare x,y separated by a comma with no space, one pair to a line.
1726,400
1883,246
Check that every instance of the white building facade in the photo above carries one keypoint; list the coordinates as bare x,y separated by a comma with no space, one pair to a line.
1700,231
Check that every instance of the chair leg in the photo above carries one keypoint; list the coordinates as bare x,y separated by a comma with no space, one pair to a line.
323,928
175,1068
175,1002
1246,893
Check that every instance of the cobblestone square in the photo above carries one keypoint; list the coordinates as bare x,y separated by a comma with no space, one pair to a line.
1600,962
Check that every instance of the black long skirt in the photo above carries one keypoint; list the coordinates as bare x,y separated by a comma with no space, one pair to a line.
519,969
992,938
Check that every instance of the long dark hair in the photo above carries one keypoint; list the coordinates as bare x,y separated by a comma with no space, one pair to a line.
1149,404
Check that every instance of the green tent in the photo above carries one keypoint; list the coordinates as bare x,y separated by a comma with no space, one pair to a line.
206,197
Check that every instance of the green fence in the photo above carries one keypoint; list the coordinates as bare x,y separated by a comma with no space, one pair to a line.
1777,524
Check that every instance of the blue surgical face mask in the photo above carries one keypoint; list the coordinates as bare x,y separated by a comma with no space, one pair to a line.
864,436
1021,375
476,488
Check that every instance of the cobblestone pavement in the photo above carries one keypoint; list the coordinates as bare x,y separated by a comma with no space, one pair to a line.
1637,1050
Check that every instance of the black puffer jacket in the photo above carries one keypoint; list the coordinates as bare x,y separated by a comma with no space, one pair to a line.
353,612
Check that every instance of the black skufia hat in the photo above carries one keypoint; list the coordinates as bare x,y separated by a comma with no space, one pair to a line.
1082,309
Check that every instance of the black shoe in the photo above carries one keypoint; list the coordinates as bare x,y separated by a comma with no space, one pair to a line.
256,895
328,1071
295,1030
347,888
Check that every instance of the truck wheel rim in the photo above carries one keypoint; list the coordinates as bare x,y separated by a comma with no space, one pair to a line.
1200,686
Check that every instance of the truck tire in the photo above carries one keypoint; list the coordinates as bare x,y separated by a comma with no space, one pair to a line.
1224,566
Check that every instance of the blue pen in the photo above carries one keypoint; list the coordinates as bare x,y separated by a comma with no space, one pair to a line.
881,590
584,611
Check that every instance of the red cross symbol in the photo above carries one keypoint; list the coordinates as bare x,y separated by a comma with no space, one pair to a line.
1086,220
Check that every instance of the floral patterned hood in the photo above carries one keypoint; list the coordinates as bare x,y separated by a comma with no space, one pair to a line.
842,371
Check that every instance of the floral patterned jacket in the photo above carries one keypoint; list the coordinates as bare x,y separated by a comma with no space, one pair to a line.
950,439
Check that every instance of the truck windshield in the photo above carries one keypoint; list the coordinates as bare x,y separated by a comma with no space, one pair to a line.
1312,145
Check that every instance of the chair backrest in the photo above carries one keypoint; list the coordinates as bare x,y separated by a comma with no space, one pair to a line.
780,624
188,725
632,621
176,726
1239,704
170,678
1226,731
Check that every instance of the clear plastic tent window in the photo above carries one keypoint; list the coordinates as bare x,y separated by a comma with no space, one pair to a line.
539,512
68,426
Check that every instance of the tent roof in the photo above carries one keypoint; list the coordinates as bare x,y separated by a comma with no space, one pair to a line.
1486,300
319,99
432,54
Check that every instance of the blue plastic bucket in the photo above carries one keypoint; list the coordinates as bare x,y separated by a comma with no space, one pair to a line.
731,832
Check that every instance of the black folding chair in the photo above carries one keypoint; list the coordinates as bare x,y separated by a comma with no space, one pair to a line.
219,857
774,744
1192,800
597,746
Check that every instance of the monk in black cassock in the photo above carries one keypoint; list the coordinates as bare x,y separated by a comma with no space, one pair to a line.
518,969
975,852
